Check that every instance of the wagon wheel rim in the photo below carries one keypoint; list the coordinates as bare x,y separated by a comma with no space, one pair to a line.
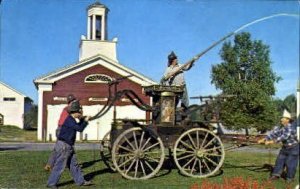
105,151
136,155
199,153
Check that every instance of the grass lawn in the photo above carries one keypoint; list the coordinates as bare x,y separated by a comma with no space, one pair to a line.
23,169
10,133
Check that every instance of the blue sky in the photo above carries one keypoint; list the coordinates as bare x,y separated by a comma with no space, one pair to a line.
41,36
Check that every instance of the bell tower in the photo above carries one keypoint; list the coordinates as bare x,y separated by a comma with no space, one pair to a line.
96,22
96,40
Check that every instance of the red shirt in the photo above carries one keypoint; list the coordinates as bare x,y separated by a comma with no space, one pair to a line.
63,115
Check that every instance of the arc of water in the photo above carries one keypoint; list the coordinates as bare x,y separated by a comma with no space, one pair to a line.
241,28
265,18
222,39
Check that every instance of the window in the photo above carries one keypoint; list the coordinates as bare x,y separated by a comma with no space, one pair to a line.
90,35
98,78
9,99
98,27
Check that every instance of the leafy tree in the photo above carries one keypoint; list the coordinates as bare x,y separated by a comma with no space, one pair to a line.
279,105
245,72
290,103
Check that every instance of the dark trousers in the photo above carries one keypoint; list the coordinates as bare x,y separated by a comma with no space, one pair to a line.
288,157
51,158
65,157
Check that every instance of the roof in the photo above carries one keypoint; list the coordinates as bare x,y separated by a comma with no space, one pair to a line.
6,85
89,62
96,4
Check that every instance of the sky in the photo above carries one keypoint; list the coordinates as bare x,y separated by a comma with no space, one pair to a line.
41,36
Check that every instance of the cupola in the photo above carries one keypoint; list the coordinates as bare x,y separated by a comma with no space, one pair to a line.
96,39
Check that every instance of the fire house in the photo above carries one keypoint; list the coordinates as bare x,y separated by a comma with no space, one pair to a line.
87,80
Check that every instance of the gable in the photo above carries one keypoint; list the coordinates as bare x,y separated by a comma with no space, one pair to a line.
91,62
77,81
7,91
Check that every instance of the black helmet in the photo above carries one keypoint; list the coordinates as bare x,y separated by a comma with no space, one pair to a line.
172,56
70,98
74,107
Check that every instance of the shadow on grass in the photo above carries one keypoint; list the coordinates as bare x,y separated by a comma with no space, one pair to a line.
170,165
89,163
87,177
30,129
219,173
11,148
166,168
255,168
91,175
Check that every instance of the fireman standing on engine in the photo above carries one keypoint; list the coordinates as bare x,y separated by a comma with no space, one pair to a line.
177,78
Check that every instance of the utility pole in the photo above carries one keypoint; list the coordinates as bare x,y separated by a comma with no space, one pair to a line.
0,39
298,109
298,88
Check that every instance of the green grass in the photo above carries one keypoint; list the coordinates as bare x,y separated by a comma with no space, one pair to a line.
23,169
9,133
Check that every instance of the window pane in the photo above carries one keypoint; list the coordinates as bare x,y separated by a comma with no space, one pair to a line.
9,99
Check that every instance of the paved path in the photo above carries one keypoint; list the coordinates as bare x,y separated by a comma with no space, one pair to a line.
31,146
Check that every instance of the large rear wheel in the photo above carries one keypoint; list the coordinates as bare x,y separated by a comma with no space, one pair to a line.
136,155
199,153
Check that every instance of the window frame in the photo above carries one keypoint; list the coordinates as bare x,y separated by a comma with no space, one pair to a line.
98,78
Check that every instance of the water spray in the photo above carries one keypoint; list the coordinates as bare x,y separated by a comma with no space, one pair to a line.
265,18
180,68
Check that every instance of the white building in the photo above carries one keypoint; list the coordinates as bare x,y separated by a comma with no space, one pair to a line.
13,106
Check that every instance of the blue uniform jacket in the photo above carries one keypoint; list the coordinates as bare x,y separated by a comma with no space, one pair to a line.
69,129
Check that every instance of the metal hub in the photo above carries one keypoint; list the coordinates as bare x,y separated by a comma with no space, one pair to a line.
199,153
139,154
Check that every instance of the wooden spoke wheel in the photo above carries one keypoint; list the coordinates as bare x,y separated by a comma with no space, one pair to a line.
137,155
199,153
105,151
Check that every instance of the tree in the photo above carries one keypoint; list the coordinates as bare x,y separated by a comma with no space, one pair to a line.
289,103
245,72
30,118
